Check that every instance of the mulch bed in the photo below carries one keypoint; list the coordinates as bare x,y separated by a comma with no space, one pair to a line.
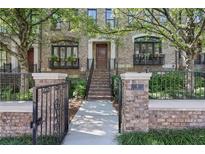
74,105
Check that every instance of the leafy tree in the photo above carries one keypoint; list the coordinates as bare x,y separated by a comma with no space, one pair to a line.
20,30
183,28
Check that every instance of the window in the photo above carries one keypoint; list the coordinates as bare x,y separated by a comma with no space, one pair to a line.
93,14
130,17
109,18
64,55
2,27
147,45
3,58
148,51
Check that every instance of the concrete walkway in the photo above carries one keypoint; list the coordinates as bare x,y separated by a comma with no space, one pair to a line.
96,122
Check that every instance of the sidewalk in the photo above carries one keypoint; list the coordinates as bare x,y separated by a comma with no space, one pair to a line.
96,122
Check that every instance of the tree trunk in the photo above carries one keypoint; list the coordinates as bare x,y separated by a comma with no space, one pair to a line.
189,78
24,86
182,64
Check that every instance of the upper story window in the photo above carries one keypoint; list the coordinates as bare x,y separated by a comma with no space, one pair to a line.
148,45
2,27
93,14
109,18
130,17
58,23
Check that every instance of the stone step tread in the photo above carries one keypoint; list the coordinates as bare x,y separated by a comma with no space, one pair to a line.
100,88
99,97
99,92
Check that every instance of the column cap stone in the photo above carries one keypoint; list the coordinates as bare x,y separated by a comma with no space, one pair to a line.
134,75
49,76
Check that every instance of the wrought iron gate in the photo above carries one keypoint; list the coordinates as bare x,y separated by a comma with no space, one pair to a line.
50,113
118,99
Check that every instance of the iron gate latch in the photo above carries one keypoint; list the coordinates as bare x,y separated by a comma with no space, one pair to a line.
38,122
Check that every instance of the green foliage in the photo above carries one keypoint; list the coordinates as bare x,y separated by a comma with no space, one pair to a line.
164,137
166,82
54,58
173,85
115,84
8,94
77,88
71,59
27,140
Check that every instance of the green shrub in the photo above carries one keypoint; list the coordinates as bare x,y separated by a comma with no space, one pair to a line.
115,85
166,82
77,88
194,136
8,94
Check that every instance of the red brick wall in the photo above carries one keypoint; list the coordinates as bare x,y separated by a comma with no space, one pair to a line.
176,119
15,123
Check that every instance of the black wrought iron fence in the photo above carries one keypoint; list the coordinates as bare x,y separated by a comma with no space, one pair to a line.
50,113
90,67
117,93
177,85
16,86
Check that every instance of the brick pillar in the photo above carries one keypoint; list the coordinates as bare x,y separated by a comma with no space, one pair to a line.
135,99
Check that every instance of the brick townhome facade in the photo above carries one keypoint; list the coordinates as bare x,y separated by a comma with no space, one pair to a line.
61,42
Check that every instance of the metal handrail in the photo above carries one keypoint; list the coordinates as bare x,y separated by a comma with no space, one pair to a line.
89,78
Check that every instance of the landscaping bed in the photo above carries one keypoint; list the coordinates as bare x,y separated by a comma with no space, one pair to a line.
164,137
73,107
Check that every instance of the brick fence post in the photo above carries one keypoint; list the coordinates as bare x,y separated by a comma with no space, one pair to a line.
135,99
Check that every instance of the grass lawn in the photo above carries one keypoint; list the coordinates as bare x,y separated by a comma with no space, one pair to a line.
164,137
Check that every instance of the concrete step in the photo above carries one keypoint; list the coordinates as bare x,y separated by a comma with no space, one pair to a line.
96,88
99,86
100,80
102,97
97,93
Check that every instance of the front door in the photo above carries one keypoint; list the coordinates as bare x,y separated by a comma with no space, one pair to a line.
101,56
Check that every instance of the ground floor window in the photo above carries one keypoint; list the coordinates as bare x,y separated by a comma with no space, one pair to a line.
65,55
3,57
148,50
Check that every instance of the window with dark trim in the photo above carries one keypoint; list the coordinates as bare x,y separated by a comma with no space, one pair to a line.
130,18
109,18
148,51
147,45
93,14
65,55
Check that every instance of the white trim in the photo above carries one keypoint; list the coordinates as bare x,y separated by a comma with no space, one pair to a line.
90,46
16,106
49,76
112,48
141,34
134,76
90,50
177,105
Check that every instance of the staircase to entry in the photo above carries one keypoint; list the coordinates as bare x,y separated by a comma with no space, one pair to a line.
100,88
